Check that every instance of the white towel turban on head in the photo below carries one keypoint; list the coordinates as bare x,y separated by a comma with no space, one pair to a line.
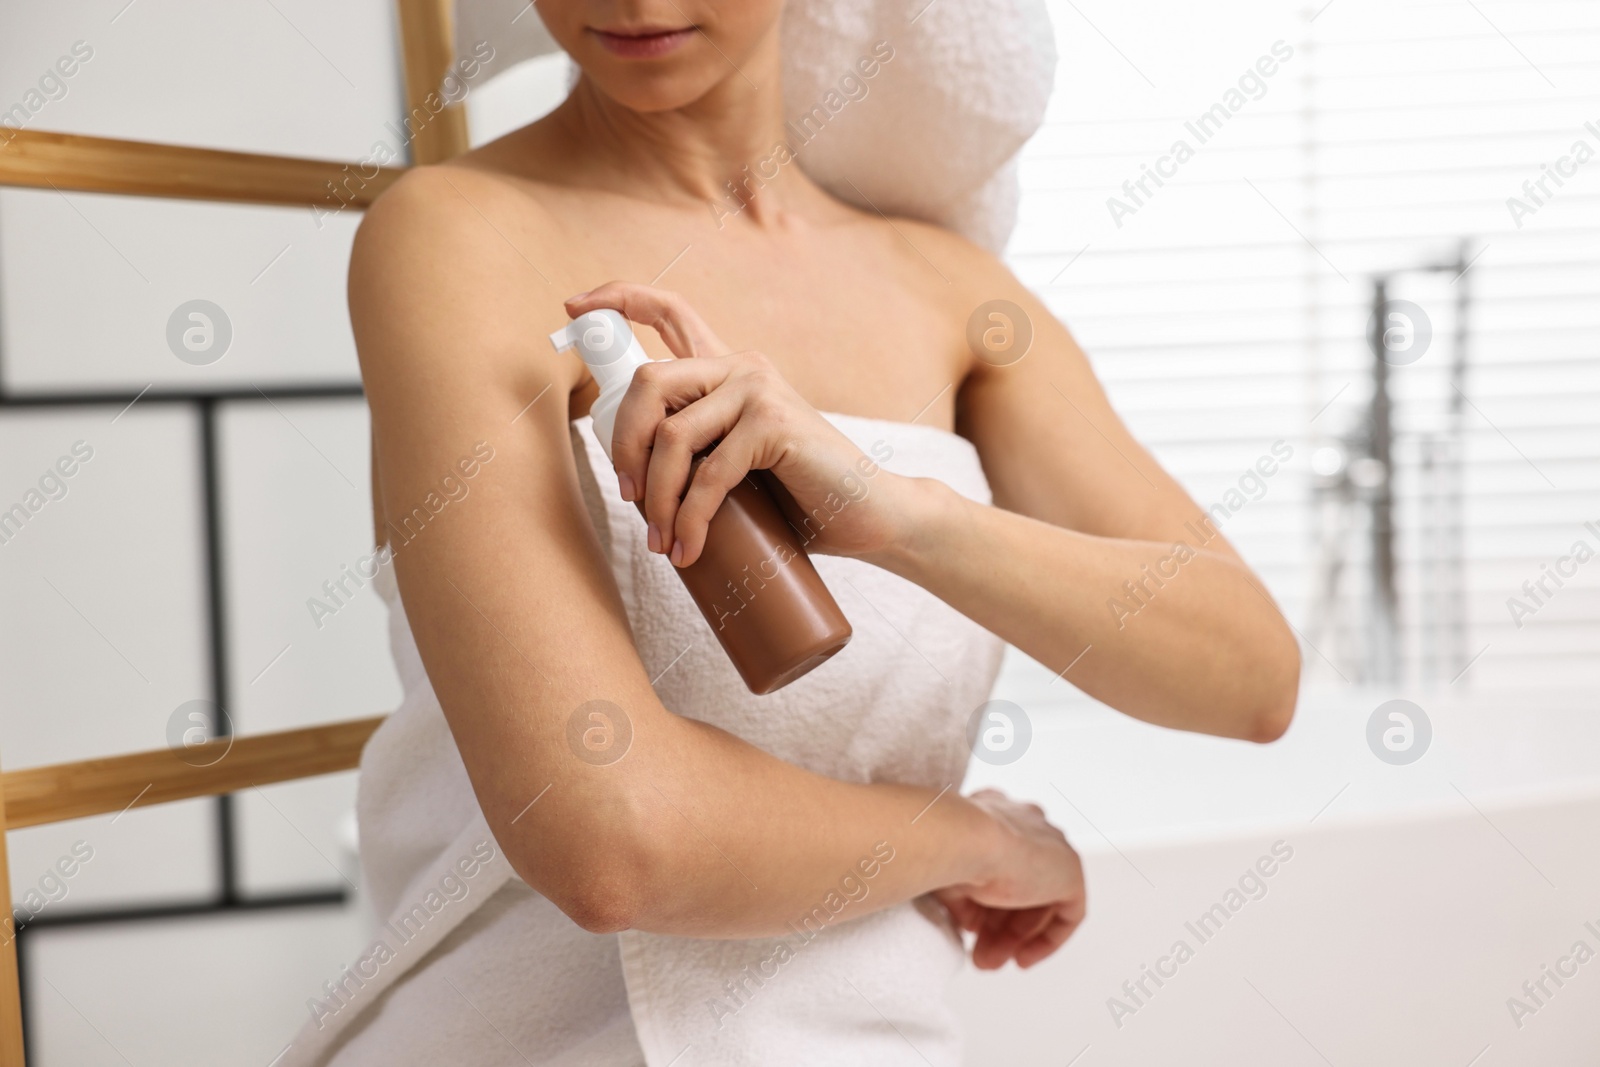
933,133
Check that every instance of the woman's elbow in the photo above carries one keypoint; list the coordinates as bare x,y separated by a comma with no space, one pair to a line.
1274,711
603,896
602,878
602,910
1271,723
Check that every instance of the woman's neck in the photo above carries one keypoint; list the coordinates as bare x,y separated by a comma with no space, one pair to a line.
725,148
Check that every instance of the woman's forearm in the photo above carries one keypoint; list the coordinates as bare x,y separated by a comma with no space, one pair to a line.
1168,632
697,833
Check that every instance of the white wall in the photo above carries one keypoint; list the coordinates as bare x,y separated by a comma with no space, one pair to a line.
105,634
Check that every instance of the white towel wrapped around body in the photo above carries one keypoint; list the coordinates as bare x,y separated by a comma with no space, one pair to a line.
475,967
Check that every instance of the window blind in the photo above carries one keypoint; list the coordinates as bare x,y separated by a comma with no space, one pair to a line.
1444,149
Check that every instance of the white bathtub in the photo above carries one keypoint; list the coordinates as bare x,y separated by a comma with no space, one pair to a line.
1417,901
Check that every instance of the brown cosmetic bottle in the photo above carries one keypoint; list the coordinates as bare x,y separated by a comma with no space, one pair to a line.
753,582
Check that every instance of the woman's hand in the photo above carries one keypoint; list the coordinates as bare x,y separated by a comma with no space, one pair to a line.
1034,900
676,409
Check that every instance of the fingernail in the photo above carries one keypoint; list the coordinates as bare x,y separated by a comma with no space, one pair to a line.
578,296
677,553
653,538
625,483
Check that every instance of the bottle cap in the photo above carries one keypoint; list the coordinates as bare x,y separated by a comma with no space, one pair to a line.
605,343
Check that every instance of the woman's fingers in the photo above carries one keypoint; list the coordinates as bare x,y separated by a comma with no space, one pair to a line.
658,389
675,410
1026,935
737,405
1013,929
995,941
727,465
679,325
1029,924
678,439
1048,940
648,405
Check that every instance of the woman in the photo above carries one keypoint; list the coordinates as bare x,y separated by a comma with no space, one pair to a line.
743,879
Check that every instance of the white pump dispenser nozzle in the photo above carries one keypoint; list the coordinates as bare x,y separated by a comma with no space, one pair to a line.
605,343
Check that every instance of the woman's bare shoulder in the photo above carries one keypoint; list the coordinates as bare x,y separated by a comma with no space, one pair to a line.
455,207
952,279
962,263
456,252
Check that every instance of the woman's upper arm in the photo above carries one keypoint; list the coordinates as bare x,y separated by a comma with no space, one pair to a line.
508,595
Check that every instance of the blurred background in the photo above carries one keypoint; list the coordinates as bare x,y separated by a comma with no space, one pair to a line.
1357,317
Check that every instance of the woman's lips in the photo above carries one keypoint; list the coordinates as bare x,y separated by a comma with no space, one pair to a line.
644,45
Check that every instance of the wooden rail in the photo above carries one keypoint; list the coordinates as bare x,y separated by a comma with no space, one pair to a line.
10,989
427,39
61,161
69,161
61,791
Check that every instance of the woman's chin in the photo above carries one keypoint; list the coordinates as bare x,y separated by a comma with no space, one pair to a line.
650,92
